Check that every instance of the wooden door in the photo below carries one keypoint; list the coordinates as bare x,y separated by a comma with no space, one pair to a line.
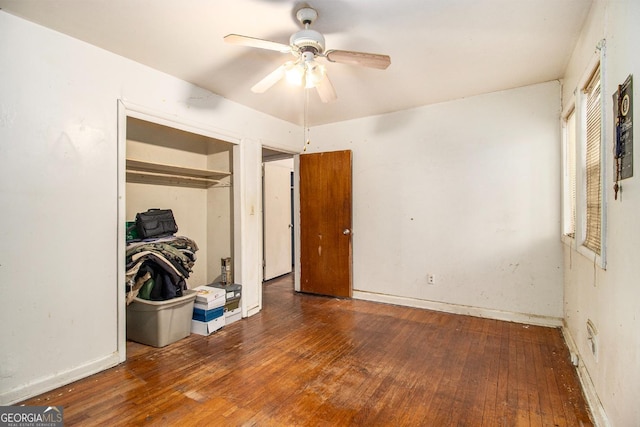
325,223
277,218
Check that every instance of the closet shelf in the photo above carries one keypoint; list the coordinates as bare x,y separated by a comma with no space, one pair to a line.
158,173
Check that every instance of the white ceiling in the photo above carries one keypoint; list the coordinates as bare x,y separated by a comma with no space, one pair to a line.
440,49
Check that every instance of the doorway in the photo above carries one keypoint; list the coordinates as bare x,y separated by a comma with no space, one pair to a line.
277,212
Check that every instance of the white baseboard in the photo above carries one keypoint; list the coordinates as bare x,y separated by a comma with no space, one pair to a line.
46,384
252,311
591,396
508,316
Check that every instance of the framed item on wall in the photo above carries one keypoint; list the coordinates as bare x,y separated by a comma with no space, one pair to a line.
623,144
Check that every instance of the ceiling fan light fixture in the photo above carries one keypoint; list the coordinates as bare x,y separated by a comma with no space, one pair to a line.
295,73
306,72
314,74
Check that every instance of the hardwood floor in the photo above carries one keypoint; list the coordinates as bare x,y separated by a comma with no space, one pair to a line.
318,361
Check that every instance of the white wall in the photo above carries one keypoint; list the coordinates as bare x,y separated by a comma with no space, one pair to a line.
59,195
610,298
466,190
189,206
220,218
247,207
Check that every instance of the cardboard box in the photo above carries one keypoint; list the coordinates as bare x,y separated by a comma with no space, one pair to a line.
208,297
207,328
210,306
232,304
207,315
232,316
233,290
227,276
159,323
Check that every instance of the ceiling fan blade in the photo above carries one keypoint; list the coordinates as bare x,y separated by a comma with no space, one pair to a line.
271,79
325,90
372,60
254,42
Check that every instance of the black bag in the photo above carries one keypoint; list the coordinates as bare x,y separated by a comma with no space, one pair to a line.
156,223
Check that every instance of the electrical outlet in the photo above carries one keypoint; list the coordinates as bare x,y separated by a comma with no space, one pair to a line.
575,360
431,279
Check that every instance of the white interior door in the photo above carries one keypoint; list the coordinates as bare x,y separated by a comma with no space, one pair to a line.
277,218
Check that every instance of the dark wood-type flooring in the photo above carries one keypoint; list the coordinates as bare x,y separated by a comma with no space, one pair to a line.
317,361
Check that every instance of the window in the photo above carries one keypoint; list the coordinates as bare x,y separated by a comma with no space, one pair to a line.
584,192
569,175
593,164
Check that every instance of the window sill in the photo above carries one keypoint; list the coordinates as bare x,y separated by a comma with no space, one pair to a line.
591,256
568,240
583,250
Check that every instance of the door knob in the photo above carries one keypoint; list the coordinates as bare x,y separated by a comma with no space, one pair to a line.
346,231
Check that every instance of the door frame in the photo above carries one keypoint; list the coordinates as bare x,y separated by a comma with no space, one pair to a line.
128,109
265,194
296,222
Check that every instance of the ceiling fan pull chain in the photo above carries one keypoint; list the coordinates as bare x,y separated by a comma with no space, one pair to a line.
307,140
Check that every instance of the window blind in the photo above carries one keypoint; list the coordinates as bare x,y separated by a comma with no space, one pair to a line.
593,165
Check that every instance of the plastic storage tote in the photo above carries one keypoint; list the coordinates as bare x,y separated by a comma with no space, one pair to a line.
160,323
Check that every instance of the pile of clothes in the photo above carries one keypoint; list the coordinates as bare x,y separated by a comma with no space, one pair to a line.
157,269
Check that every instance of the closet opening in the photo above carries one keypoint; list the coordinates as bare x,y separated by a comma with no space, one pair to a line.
174,165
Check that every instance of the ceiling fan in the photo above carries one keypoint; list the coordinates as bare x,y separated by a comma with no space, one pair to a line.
306,46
